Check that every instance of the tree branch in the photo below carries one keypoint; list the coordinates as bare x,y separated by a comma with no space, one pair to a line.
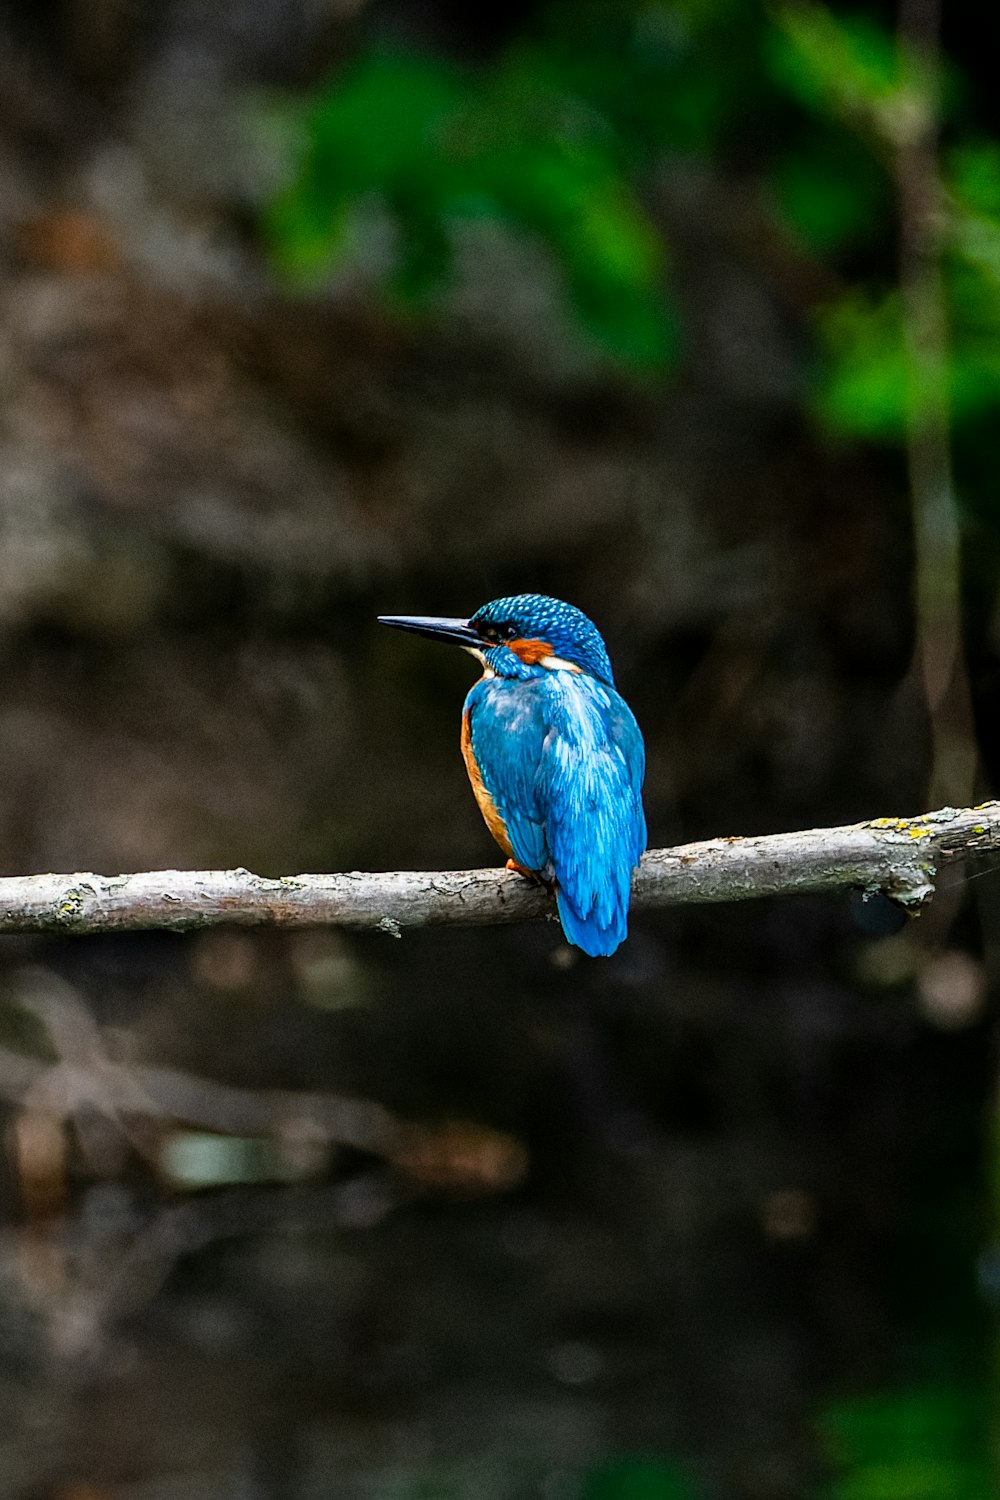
899,856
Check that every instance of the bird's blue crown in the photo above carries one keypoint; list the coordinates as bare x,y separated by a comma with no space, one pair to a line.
536,617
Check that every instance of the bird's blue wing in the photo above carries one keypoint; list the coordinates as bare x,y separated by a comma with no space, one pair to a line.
508,727
592,771
563,759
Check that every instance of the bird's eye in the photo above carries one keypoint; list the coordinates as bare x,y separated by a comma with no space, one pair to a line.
495,634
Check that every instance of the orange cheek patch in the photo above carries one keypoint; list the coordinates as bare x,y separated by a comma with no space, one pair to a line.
530,652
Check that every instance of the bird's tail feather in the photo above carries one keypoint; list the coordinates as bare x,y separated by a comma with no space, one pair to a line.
595,933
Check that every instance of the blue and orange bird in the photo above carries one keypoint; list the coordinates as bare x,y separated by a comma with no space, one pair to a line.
555,756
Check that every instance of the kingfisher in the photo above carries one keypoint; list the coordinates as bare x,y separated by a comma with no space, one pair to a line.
554,754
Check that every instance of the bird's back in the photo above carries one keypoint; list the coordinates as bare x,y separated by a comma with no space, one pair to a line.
562,759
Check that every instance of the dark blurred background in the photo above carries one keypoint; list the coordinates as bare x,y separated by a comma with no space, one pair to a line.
687,311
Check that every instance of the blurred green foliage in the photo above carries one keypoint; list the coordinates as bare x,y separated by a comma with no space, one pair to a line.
437,145
828,192
561,137
557,140
871,386
849,67
634,1477
921,1443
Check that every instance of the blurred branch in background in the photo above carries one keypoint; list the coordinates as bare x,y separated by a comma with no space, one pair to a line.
84,1078
898,856
896,367
80,1116
940,654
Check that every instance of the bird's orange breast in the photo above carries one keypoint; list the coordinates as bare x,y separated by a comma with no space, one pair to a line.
487,806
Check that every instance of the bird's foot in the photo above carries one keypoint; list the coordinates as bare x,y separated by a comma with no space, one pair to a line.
517,869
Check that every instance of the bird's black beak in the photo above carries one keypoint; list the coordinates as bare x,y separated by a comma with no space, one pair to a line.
436,628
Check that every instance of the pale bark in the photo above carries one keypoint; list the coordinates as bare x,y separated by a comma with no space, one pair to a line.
899,856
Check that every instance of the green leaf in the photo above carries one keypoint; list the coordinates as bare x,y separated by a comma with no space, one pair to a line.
974,227
306,232
976,241
851,67
386,115
974,176
870,385
922,1443
864,388
830,193
571,194
638,1478
666,76
371,131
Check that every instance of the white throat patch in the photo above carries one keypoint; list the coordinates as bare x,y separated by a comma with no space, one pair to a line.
481,659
